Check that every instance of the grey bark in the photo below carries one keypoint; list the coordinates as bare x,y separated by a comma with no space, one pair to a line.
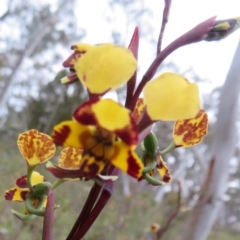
204,214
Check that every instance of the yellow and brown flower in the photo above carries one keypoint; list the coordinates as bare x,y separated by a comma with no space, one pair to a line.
100,68
20,191
106,132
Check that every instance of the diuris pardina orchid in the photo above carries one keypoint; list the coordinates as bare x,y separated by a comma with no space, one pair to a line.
103,134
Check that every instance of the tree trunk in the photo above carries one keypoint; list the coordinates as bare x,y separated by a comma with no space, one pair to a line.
204,214
31,45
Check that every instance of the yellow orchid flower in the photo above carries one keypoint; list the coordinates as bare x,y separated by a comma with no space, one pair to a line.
100,68
106,132
19,192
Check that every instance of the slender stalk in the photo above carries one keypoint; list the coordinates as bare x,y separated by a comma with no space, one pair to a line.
89,204
196,34
29,176
90,212
164,22
104,197
168,149
48,217
173,216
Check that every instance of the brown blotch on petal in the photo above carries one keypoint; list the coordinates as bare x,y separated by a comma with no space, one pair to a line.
9,194
133,166
70,157
192,131
89,171
24,195
60,136
167,177
138,111
69,62
162,165
22,182
84,114
129,134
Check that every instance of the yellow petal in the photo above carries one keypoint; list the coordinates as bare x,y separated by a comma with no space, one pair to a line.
126,159
190,132
170,97
35,147
79,50
35,179
81,47
70,157
72,134
19,192
163,170
105,67
108,114
16,194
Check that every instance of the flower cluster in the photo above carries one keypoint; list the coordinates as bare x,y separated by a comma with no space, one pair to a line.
108,132
104,133
102,136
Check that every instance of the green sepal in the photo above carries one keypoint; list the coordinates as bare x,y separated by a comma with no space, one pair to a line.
23,217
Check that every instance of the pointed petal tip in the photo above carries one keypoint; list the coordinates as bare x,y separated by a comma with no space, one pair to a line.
72,78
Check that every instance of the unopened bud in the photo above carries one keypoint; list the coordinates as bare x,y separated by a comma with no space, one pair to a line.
223,28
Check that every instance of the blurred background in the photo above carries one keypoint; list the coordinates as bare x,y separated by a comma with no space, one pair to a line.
203,199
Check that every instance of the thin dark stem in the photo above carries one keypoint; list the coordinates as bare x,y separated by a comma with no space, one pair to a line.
88,206
194,35
164,22
105,196
85,222
165,227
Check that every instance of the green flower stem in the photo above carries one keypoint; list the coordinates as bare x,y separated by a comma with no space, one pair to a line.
39,192
38,210
168,149
29,176
58,182
152,180
150,166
